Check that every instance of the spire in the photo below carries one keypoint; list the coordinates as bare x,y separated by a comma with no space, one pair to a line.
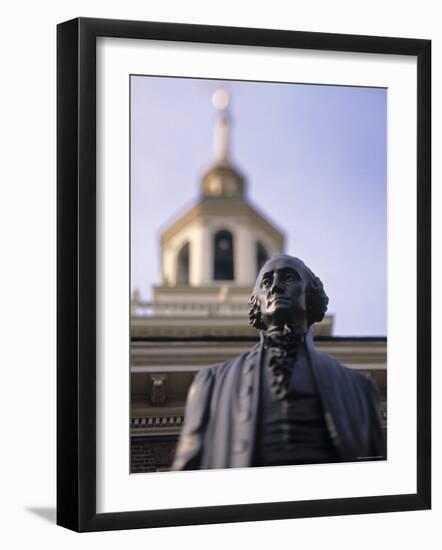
220,100
222,180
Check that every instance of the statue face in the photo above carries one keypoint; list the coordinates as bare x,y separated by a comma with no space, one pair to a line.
281,290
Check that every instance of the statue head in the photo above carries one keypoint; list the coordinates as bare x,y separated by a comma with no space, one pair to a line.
286,292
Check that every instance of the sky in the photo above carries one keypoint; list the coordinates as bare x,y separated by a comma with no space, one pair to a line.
314,157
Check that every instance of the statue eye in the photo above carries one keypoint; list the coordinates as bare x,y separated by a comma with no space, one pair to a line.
290,276
265,283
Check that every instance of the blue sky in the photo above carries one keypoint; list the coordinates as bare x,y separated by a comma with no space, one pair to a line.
315,162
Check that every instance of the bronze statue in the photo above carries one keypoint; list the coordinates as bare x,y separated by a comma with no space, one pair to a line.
283,402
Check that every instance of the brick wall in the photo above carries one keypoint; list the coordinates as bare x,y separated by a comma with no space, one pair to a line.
151,454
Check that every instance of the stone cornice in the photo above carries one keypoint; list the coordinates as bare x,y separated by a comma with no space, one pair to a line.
227,208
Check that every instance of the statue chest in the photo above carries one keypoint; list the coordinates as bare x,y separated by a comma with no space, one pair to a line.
291,430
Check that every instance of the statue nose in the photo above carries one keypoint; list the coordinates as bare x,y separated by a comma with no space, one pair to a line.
275,286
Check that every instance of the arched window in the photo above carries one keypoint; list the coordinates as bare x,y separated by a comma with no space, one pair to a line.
183,265
223,256
261,256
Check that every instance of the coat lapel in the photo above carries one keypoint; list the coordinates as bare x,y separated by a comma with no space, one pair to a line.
246,410
321,373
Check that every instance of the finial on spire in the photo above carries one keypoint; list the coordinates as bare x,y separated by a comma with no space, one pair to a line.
221,100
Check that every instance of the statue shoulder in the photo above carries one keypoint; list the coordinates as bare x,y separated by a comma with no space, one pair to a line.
360,378
203,380
334,367
206,376
220,368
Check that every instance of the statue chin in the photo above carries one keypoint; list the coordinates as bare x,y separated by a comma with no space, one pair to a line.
287,331
282,319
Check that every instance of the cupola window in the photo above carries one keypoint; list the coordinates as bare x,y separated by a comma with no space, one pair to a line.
261,256
223,256
183,265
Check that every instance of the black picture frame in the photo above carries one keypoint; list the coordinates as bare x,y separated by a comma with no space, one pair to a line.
76,274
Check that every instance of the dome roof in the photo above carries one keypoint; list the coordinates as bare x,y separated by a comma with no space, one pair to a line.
222,181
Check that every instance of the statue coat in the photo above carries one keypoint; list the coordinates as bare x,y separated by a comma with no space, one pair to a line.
222,410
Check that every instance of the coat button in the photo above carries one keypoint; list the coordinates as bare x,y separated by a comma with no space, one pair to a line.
248,367
245,390
240,446
243,416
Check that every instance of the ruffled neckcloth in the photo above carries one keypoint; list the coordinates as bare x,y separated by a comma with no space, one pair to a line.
282,347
